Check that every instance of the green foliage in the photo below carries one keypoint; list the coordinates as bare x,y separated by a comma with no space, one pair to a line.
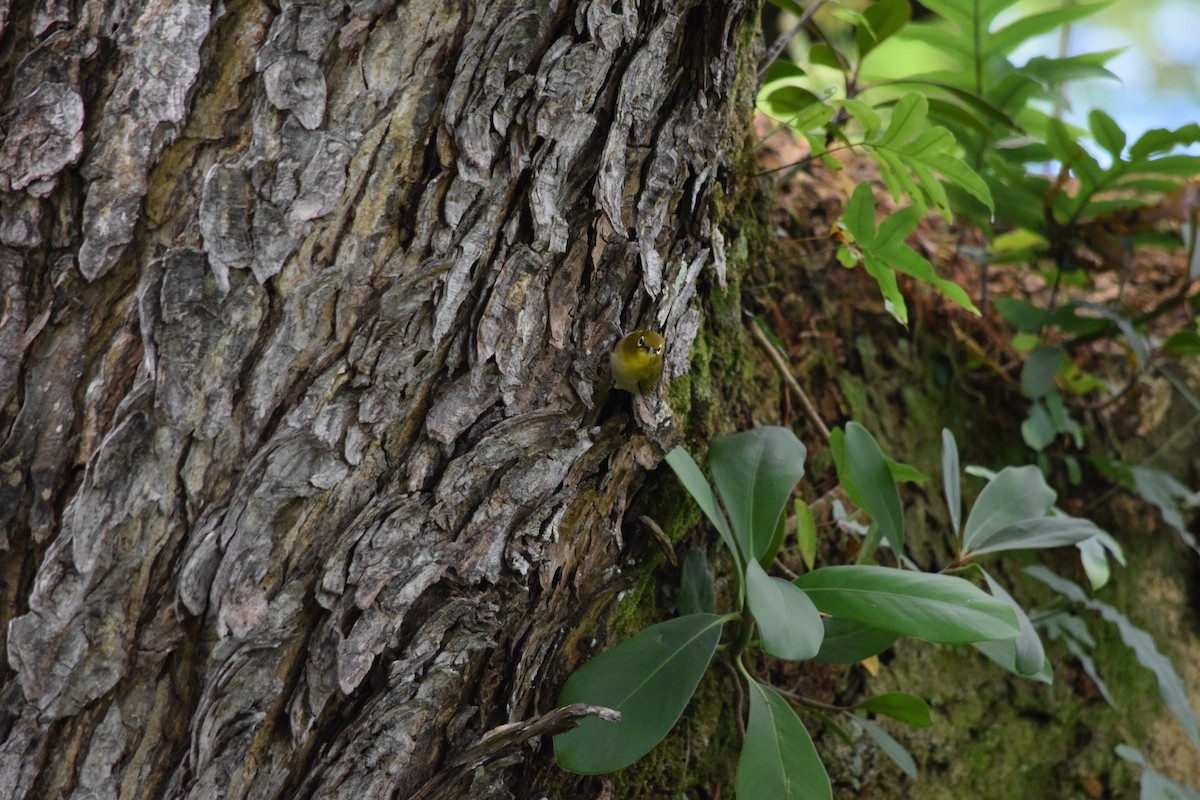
649,679
972,136
778,757
966,139
836,613
936,608
1170,684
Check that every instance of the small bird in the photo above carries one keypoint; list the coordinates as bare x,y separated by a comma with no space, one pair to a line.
637,362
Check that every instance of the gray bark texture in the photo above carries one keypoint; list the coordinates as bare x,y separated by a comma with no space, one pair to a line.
309,486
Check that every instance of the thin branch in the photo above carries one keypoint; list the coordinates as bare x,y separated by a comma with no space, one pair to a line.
780,43
785,371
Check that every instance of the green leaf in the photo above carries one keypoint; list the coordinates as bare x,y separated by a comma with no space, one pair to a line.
1039,370
1016,494
1054,72
1161,490
1021,314
1182,343
1035,534
806,533
781,69
902,706
1155,786
1008,38
1137,342
1074,633
697,595
1094,559
859,216
789,100
905,473
951,480
1161,140
1024,654
790,6
788,621
824,55
871,475
685,468
649,679
904,259
890,747
755,472
911,143
936,608
1170,684
778,761
1038,429
883,19
1107,133
848,642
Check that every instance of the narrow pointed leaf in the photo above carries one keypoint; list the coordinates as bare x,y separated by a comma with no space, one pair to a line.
951,480
1106,132
649,679
1170,684
890,747
806,533
1024,653
778,761
787,620
936,608
871,475
685,468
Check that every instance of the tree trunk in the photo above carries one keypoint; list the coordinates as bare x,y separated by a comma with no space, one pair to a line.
309,474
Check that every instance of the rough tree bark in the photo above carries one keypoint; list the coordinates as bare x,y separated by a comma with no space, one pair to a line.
307,475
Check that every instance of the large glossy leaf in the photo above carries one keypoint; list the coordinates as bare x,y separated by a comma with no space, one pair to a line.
936,608
1014,495
787,620
871,476
848,642
755,471
1035,534
778,761
689,474
649,679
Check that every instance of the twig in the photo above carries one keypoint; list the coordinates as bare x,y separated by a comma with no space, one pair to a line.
785,371
780,43
505,740
661,537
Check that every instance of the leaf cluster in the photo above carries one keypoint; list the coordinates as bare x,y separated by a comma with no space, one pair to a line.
834,614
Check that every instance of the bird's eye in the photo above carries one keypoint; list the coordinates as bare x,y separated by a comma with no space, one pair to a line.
641,341
658,350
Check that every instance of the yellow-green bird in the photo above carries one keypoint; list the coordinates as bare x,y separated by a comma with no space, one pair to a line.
637,362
